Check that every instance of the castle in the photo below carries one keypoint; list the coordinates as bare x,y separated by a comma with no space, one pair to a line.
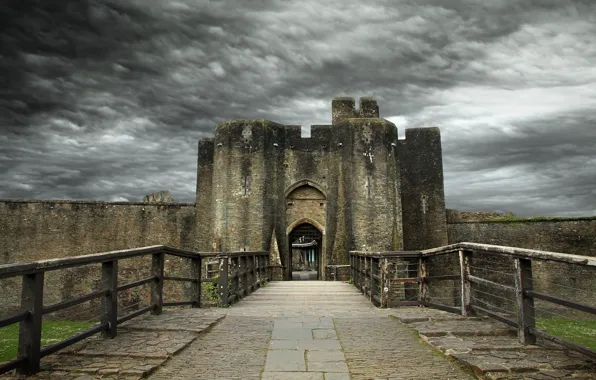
352,185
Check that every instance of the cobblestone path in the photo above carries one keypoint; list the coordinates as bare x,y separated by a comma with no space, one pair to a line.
308,330
234,349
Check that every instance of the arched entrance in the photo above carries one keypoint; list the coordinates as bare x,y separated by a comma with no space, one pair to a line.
306,246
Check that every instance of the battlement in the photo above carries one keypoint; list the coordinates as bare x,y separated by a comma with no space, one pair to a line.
345,108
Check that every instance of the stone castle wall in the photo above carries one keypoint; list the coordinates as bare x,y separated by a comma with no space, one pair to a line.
574,235
39,230
248,169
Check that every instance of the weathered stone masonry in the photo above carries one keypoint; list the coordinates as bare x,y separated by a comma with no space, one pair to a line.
251,175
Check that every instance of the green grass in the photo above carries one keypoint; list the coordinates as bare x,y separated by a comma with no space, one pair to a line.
52,332
580,332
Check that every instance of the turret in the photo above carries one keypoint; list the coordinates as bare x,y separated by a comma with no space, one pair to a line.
345,108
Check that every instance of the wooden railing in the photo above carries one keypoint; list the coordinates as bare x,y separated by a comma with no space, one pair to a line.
241,273
32,307
471,278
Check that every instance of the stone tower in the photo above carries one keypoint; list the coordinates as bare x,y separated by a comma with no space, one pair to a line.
352,185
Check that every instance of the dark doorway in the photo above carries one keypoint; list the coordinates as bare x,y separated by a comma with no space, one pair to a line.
305,252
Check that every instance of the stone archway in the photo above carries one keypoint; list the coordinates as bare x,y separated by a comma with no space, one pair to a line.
305,247
306,204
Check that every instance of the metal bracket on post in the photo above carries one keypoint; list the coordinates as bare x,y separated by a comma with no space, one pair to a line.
525,303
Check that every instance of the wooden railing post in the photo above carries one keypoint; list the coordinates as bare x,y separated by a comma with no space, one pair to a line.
423,285
372,279
383,269
30,328
525,303
109,302
223,280
464,272
268,268
196,266
157,267
362,273
255,271
351,268
243,264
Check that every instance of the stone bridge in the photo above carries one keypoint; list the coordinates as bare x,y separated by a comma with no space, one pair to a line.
306,329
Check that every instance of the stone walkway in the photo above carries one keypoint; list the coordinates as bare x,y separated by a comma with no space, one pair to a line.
142,345
310,330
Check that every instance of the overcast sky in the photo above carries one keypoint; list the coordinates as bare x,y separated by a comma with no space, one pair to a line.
106,99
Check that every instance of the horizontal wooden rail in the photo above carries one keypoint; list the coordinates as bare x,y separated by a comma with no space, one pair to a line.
13,364
562,302
50,349
482,281
563,342
73,302
443,277
405,280
186,279
451,309
523,253
179,303
134,314
136,283
363,264
494,315
240,274
14,318
32,307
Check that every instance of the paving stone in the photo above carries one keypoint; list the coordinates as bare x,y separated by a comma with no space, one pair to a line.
292,333
285,324
328,366
337,376
283,345
324,356
285,360
292,376
319,344
324,334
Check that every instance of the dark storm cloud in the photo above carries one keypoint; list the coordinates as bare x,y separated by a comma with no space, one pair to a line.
107,99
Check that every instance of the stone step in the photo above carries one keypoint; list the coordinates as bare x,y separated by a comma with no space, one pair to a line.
491,348
495,364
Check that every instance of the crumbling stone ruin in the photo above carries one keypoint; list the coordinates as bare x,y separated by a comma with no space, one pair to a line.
163,196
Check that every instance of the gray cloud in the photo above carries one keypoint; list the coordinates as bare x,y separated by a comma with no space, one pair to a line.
107,99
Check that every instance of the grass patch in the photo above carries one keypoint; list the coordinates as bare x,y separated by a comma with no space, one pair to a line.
52,332
580,332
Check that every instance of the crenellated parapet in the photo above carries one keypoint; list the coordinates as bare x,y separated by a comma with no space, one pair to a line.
345,108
